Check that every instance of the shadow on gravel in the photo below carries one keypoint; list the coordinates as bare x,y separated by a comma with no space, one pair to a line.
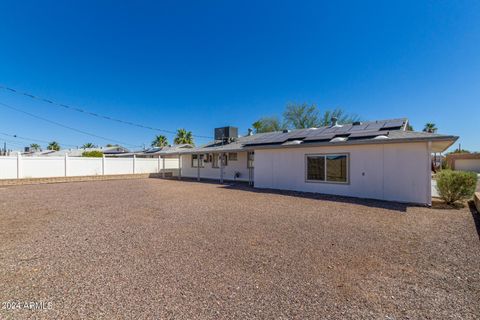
475,216
395,206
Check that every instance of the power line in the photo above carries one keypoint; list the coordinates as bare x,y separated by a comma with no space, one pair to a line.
94,114
33,139
66,127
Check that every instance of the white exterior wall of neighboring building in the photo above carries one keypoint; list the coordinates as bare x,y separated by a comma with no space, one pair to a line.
208,172
394,172
467,165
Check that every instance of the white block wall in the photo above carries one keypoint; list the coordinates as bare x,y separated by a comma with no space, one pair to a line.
47,167
208,172
395,172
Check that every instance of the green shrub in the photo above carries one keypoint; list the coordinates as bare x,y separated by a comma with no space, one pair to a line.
92,154
454,186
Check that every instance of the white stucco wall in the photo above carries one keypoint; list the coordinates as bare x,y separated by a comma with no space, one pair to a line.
208,172
395,172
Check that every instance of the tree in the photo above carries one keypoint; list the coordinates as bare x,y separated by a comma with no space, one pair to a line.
460,151
342,117
301,116
430,127
88,145
53,146
268,124
409,127
35,146
160,141
183,137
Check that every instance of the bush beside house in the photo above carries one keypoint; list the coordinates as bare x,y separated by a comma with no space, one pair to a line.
455,186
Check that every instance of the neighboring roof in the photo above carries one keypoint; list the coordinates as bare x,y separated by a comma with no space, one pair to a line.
463,155
373,132
175,149
79,152
168,149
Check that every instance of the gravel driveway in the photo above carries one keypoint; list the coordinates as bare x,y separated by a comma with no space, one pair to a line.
156,249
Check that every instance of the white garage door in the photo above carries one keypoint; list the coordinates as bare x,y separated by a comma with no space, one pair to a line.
468,165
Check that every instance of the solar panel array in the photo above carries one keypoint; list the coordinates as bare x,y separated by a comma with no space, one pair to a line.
362,130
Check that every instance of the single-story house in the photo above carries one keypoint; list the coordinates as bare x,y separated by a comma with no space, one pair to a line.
378,160
464,161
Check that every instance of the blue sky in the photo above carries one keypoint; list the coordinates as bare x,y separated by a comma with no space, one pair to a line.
204,64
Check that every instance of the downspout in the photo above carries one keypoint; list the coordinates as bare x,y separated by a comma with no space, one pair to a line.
429,174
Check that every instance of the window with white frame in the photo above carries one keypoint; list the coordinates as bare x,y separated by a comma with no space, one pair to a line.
232,156
196,160
327,168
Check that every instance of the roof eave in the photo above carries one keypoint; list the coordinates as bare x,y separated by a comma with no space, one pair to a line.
450,139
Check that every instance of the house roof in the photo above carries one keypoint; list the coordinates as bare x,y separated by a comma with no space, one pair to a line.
168,149
79,152
372,132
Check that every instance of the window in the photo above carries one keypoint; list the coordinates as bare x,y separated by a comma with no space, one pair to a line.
215,160
195,160
327,168
250,158
232,156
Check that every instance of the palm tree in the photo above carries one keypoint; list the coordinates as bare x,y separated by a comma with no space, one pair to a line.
88,145
53,146
430,127
183,137
160,141
35,146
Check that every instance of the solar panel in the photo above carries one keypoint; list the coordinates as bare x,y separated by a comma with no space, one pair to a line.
359,127
393,124
374,126
320,137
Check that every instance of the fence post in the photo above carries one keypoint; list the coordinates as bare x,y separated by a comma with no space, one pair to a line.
66,164
158,164
19,166
134,160
103,165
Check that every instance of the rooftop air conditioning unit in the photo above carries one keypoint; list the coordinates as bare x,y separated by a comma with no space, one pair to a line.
226,133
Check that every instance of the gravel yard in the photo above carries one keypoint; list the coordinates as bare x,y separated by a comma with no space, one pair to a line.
156,249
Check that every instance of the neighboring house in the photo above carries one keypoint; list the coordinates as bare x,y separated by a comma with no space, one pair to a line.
378,160
156,152
464,161
107,151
